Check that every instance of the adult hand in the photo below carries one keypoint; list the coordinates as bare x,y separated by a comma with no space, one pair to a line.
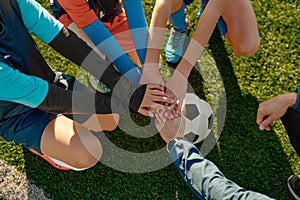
273,109
154,100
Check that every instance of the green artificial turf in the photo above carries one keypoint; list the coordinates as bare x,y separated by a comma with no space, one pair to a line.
257,160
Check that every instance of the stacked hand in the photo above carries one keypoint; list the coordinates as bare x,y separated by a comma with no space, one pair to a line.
173,91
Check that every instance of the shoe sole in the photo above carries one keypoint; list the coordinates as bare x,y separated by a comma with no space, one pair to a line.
291,190
46,158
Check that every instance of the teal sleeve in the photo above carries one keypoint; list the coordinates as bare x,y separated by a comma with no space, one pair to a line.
138,26
39,21
108,45
20,88
297,104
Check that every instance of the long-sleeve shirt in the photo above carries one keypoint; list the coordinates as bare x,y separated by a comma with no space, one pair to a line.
16,86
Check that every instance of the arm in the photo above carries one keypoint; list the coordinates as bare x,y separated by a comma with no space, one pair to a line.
138,26
161,13
66,43
200,174
203,176
205,28
85,18
35,92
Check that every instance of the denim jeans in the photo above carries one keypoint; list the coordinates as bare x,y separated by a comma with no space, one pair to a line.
203,177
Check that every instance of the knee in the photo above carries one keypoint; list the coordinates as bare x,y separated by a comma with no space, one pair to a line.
86,160
174,5
246,48
87,155
113,123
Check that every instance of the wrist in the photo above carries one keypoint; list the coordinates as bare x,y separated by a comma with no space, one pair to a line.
172,142
184,68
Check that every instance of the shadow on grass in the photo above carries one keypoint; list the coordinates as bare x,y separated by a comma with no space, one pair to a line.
252,158
249,157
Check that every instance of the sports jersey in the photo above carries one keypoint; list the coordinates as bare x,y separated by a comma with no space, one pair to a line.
22,67
89,17
83,13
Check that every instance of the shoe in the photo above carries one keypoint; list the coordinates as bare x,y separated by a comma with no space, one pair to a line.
176,44
97,85
293,183
49,160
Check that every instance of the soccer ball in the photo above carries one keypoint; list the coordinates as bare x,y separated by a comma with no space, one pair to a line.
198,116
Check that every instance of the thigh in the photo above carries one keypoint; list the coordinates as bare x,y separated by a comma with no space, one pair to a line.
26,128
70,142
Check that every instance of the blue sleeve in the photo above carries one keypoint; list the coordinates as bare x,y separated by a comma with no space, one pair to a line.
20,88
204,178
39,21
297,104
108,45
138,26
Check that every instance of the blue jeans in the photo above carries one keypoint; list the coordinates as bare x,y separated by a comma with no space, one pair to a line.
204,178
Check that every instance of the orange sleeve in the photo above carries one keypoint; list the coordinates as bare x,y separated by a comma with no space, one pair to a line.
79,11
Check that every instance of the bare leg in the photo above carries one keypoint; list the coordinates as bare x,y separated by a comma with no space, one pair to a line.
99,123
70,142
242,27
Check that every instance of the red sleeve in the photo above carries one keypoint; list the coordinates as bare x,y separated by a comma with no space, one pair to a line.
79,11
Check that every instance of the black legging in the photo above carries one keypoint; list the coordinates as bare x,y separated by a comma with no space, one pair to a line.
291,122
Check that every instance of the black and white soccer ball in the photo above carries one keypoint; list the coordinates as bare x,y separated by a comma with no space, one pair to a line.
198,116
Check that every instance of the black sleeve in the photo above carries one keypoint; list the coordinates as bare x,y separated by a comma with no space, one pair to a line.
59,100
291,121
68,44
75,49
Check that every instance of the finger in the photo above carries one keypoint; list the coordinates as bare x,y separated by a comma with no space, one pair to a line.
172,107
146,112
154,86
265,125
158,93
160,117
174,112
157,106
260,117
162,100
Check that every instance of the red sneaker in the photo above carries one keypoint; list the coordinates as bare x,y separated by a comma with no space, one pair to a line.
49,160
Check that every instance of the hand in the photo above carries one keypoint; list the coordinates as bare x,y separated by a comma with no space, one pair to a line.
171,128
176,89
273,109
154,99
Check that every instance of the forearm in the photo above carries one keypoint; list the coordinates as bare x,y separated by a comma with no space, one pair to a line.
59,100
202,34
157,30
138,26
108,45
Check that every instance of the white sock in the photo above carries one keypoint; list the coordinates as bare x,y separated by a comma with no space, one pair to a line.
63,164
